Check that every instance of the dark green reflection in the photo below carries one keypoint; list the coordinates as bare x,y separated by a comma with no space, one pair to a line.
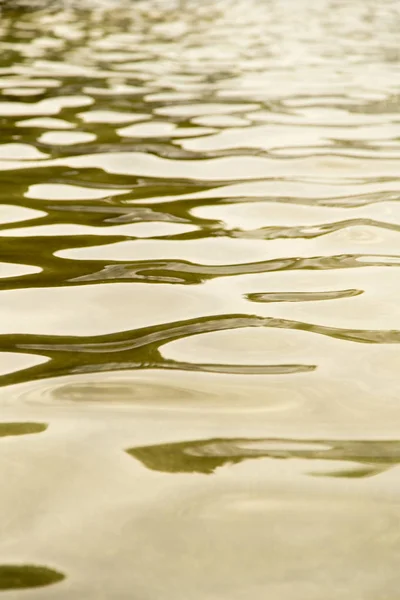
137,349
205,456
140,348
303,296
18,577
7,429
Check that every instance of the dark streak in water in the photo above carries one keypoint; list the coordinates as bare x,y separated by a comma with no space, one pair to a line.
205,456
7,429
20,577
185,272
303,296
139,348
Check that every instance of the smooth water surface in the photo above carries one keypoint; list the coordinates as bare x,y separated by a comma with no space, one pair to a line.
199,300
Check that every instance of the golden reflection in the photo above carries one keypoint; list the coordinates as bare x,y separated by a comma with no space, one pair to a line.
199,240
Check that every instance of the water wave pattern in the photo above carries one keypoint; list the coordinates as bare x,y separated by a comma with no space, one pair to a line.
199,243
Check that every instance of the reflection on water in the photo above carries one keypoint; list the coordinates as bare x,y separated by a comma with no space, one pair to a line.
15,577
7,429
199,240
206,456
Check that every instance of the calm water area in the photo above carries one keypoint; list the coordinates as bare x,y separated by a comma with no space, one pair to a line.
200,300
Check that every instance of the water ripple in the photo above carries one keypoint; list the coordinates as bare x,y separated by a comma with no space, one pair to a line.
199,236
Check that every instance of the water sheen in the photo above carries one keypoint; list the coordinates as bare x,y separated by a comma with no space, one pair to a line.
199,299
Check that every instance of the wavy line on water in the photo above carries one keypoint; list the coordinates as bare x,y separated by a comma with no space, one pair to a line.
274,232
188,169
185,272
227,369
155,336
197,192
301,231
346,201
140,348
166,150
267,297
58,272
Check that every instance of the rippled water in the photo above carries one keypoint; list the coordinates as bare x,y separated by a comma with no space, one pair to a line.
199,300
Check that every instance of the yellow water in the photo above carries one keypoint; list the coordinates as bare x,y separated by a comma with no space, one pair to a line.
199,300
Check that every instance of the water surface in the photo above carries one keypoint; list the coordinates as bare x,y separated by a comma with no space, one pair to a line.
199,300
